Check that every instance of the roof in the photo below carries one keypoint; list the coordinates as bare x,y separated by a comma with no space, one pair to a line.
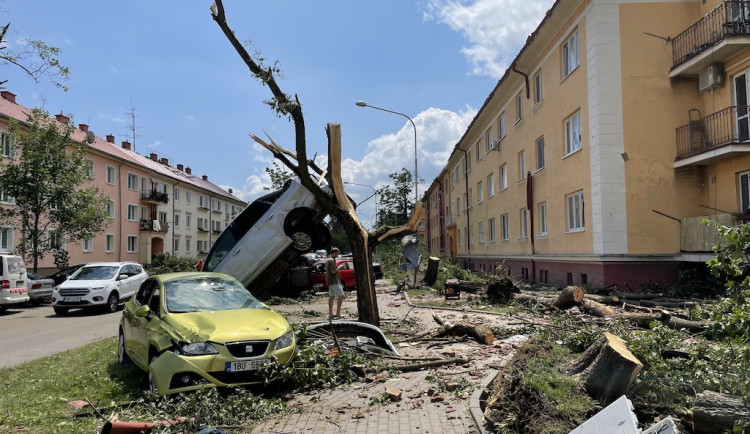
14,110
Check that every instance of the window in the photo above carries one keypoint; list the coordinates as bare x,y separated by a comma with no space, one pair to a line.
111,209
480,192
481,232
132,212
524,227
144,183
187,245
132,243
570,55
519,107
110,175
188,217
459,237
521,166
177,220
538,88
468,199
539,153
491,227
466,233
87,245
177,194
491,185
501,126
575,212
7,144
187,197
543,218
503,177
109,243
505,227
468,161
478,149
471,228
90,166
202,201
573,133
744,179
489,139
132,181
6,239
5,197
176,245
217,205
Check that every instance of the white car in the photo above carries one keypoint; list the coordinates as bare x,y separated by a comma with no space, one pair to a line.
98,284
285,221
13,290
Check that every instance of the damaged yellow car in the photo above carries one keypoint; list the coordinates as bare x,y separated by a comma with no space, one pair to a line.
195,330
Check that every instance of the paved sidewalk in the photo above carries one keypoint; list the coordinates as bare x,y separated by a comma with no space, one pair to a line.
424,408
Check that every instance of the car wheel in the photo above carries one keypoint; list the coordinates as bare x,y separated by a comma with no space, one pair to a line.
302,240
122,355
112,302
60,310
151,382
322,236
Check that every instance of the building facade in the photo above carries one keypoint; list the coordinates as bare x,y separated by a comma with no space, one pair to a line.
154,208
618,127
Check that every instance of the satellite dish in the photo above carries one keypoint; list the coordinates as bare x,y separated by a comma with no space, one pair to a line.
90,137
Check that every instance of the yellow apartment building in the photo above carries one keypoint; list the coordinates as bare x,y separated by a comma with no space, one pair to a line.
154,207
617,127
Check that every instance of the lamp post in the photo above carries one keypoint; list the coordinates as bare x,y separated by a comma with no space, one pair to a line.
416,176
374,193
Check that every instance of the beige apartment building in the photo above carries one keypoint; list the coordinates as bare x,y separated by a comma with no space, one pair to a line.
154,207
618,126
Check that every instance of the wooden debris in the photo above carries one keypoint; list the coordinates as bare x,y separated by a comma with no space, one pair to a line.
481,333
430,276
607,368
394,394
597,309
569,296
716,412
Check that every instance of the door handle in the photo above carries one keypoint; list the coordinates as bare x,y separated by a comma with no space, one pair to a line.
237,252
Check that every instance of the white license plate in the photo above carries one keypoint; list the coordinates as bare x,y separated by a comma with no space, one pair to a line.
318,286
247,365
72,299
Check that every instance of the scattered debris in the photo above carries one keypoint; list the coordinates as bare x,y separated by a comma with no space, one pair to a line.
393,393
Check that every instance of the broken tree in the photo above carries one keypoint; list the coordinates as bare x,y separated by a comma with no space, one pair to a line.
337,205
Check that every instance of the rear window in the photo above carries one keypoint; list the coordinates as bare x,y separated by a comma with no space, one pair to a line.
15,265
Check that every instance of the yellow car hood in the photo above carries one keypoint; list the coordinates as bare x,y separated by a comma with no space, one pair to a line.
223,326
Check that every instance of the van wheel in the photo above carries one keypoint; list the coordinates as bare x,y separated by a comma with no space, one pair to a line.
112,303
60,310
302,240
122,355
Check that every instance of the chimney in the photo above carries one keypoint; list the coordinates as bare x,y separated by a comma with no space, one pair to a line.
110,138
83,127
126,144
180,167
153,156
165,161
188,171
61,118
10,96
205,178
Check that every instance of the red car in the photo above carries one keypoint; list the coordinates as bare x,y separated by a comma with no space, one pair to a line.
318,274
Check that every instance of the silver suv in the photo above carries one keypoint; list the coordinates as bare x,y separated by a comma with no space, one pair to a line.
98,284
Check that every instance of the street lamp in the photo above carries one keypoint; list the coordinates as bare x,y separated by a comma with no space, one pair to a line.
416,176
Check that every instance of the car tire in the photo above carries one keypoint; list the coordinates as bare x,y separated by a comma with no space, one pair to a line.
122,355
302,239
113,303
322,236
299,227
60,310
151,383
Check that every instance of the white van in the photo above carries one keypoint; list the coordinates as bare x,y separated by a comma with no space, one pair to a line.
13,288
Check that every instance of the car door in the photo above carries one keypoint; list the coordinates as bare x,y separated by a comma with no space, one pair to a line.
135,329
347,274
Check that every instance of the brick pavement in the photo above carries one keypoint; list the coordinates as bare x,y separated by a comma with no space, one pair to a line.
350,408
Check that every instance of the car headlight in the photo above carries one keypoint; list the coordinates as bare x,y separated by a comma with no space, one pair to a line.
197,349
98,287
285,341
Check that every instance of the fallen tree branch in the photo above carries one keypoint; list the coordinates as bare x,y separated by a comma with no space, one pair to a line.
419,366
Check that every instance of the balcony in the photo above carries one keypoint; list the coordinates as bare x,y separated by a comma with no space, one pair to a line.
699,238
450,220
154,196
202,229
713,39
154,226
718,135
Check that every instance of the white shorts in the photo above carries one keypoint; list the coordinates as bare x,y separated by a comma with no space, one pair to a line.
335,290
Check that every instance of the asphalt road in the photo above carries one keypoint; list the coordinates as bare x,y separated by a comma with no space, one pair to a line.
29,332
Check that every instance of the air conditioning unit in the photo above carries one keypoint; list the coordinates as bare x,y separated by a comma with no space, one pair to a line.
711,77
495,144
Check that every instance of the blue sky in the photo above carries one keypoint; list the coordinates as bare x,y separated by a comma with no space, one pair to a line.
195,101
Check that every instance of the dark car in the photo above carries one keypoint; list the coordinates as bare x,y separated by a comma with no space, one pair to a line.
62,276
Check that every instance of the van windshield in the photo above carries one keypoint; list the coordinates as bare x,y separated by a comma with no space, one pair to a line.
223,245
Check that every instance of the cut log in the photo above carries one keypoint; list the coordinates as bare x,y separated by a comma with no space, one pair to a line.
430,276
481,333
716,412
569,296
594,308
604,299
607,369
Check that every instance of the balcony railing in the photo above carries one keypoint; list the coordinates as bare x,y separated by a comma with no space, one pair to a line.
154,226
730,18
724,127
155,196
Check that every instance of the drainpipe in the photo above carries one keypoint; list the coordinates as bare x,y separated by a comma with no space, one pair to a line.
525,79
466,187
119,217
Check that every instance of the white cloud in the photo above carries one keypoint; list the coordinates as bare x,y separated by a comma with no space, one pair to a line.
155,144
494,29
109,117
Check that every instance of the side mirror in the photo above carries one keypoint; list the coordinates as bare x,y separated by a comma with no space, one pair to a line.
122,277
142,311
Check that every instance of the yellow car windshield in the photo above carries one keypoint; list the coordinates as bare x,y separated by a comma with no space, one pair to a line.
208,294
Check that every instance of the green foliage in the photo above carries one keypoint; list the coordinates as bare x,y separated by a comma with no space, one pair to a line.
164,263
278,175
397,201
49,182
35,58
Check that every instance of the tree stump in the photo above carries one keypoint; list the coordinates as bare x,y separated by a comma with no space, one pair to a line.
430,276
568,297
607,368
716,412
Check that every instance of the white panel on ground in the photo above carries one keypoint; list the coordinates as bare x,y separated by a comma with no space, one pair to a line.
616,418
